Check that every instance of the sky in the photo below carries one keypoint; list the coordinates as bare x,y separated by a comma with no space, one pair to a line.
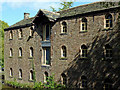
12,11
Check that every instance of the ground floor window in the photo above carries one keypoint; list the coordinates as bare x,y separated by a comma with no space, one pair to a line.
46,56
45,77
20,73
11,72
63,79
31,75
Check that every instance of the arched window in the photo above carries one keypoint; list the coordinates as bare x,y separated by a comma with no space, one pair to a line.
11,35
11,72
64,27
31,75
20,52
108,19
108,51
11,52
63,52
63,79
45,77
20,33
83,82
20,73
31,52
84,51
84,24
107,84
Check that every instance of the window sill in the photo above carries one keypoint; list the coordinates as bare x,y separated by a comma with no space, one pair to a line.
19,78
63,58
63,33
10,39
107,29
83,31
20,57
45,66
31,80
10,76
19,38
10,56
30,57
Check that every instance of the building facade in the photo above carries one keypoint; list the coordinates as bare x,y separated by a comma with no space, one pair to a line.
80,46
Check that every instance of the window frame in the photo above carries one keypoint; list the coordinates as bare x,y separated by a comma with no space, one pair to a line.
44,54
20,33
64,28
11,52
84,51
63,51
11,35
20,74
11,72
45,77
44,32
31,77
20,52
83,83
83,25
108,21
31,52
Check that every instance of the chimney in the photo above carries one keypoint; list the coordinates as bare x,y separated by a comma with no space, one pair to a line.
26,15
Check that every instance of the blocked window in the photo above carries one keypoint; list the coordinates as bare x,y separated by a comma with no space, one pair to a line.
46,56
11,72
45,77
64,27
63,51
63,79
20,33
11,52
20,73
83,82
107,84
11,35
84,24
31,75
84,51
108,51
108,19
31,52
20,52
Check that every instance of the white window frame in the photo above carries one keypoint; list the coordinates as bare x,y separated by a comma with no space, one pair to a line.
105,25
85,26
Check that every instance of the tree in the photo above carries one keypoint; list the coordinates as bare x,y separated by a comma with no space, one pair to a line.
3,25
65,5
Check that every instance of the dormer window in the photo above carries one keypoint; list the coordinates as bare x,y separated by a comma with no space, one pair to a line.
64,27
108,19
46,33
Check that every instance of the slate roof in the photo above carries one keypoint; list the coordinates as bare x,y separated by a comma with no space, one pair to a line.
96,6
82,9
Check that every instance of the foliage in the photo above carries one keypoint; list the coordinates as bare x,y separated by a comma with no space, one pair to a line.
65,5
3,25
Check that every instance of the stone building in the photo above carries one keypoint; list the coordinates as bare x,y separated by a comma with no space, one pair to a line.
80,46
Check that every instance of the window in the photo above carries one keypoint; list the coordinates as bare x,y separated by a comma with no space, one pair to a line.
11,35
64,27
63,52
20,33
108,51
31,75
84,24
45,77
84,51
31,33
31,52
83,82
46,56
20,52
46,33
20,73
63,79
11,72
108,19
11,52
107,84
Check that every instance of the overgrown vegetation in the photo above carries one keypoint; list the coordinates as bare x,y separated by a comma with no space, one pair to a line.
3,25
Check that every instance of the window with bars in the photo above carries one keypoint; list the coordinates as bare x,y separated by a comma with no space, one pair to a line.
84,24
108,21
84,51
63,52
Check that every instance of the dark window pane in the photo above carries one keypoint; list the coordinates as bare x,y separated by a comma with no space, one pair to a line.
48,56
47,32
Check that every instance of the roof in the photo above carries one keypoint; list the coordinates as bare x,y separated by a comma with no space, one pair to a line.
49,14
82,9
96,6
